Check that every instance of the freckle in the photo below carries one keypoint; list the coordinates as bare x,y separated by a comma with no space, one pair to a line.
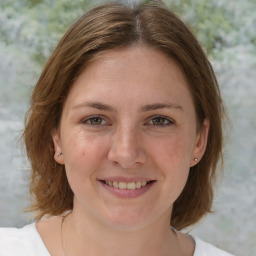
83,153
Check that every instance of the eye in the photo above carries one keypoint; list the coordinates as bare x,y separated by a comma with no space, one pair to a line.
160,121
94,121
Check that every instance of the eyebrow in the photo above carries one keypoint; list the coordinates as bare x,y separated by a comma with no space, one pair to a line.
156,106
145,108
96,105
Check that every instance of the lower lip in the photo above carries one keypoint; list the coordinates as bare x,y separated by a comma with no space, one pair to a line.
127,193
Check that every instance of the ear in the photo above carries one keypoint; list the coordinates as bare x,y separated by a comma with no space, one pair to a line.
200,143
58,155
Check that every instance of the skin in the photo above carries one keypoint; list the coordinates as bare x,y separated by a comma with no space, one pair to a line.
128,139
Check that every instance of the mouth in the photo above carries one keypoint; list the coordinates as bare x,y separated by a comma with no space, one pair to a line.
134,185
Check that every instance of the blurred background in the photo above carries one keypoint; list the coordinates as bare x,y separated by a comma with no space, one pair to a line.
29,31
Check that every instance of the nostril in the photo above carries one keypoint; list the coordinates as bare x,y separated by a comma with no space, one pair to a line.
126,157
115,163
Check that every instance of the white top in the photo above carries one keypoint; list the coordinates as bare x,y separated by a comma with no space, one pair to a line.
27,242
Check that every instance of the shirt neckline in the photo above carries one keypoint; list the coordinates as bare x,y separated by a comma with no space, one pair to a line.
43,247
38,238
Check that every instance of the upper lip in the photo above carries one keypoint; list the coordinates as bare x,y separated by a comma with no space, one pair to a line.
125,179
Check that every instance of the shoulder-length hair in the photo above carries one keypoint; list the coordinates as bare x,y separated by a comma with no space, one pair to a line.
107,27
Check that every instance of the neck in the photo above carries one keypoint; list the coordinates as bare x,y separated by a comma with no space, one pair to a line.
85,234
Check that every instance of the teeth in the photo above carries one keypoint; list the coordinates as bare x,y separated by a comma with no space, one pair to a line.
143,183
115,184
131,185
123,185
138,184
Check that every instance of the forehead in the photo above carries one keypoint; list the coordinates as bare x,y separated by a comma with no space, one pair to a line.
137,74
136,58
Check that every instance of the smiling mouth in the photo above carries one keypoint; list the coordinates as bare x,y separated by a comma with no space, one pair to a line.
127,185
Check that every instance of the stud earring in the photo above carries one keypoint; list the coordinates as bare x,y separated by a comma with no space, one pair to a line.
196,159
60,154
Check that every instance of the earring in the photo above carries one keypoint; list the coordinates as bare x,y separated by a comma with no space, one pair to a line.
195,159
60,154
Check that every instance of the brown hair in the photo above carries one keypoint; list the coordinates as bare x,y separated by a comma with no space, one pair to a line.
107,27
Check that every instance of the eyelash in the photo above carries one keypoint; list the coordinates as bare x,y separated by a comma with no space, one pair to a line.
84,121
170,121
89,119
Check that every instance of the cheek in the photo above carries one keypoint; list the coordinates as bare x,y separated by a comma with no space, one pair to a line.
83,154
172,158
174,150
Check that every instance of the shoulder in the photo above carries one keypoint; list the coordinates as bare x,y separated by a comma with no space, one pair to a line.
21,242
204,249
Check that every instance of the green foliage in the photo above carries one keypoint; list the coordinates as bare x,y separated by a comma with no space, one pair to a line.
29,31
219,24
37,24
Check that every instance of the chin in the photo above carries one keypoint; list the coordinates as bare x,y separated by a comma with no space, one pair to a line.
127,220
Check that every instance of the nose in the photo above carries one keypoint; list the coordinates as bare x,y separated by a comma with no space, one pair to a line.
126,148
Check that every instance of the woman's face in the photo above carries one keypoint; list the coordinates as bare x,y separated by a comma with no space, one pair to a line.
128,137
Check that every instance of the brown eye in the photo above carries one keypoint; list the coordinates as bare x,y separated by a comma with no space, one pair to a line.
158,121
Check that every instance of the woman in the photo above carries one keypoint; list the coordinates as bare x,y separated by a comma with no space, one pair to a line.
124,135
